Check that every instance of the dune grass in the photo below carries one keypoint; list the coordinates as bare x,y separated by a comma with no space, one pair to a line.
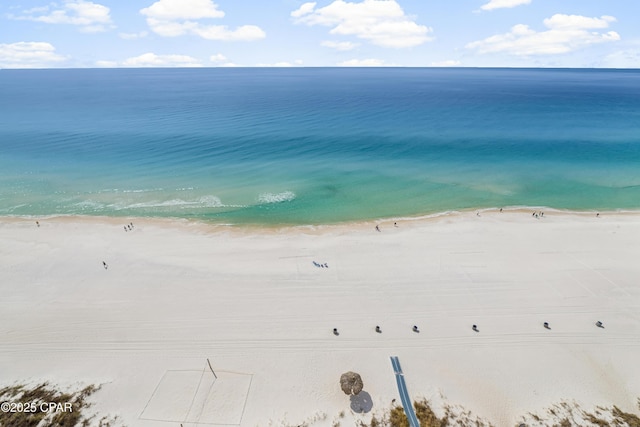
568,414
37,398
631,420
564,414
395,417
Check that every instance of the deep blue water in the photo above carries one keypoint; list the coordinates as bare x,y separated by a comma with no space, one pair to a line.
316,145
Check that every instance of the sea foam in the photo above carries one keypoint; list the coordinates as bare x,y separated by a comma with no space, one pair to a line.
285,196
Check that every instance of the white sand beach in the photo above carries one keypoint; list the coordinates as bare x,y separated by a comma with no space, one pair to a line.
250,300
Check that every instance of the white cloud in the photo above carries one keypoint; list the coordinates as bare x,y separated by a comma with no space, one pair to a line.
29,55
173,10
305,9
577,22
88,16
295,63
343,46
220,32
106,64
626,58
363,63
277,64
153,60
171,28
218,57
447,63
39,9
565,33
499,4
172,18
381,22
133,36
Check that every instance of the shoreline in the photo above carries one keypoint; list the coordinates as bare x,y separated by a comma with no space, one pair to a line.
213,226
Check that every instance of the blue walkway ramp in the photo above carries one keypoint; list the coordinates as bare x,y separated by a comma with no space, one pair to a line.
404,394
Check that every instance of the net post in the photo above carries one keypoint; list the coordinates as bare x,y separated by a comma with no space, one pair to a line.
212,371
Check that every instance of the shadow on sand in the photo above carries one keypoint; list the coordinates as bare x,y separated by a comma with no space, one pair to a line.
361,402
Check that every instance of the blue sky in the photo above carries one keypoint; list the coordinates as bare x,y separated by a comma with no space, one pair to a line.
474,33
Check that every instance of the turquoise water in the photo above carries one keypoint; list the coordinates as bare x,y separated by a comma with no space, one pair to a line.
311,146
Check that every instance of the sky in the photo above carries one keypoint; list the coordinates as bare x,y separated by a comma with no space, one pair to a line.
322,33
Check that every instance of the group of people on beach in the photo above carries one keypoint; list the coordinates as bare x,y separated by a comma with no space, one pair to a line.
127,228
395,224
415,328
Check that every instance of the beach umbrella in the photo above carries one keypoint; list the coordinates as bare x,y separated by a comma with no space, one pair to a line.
351,383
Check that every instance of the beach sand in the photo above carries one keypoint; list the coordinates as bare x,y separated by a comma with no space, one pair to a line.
251,301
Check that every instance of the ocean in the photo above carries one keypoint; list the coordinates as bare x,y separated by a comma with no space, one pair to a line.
274,146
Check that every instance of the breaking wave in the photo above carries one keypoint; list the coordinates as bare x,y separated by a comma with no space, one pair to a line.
285,196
